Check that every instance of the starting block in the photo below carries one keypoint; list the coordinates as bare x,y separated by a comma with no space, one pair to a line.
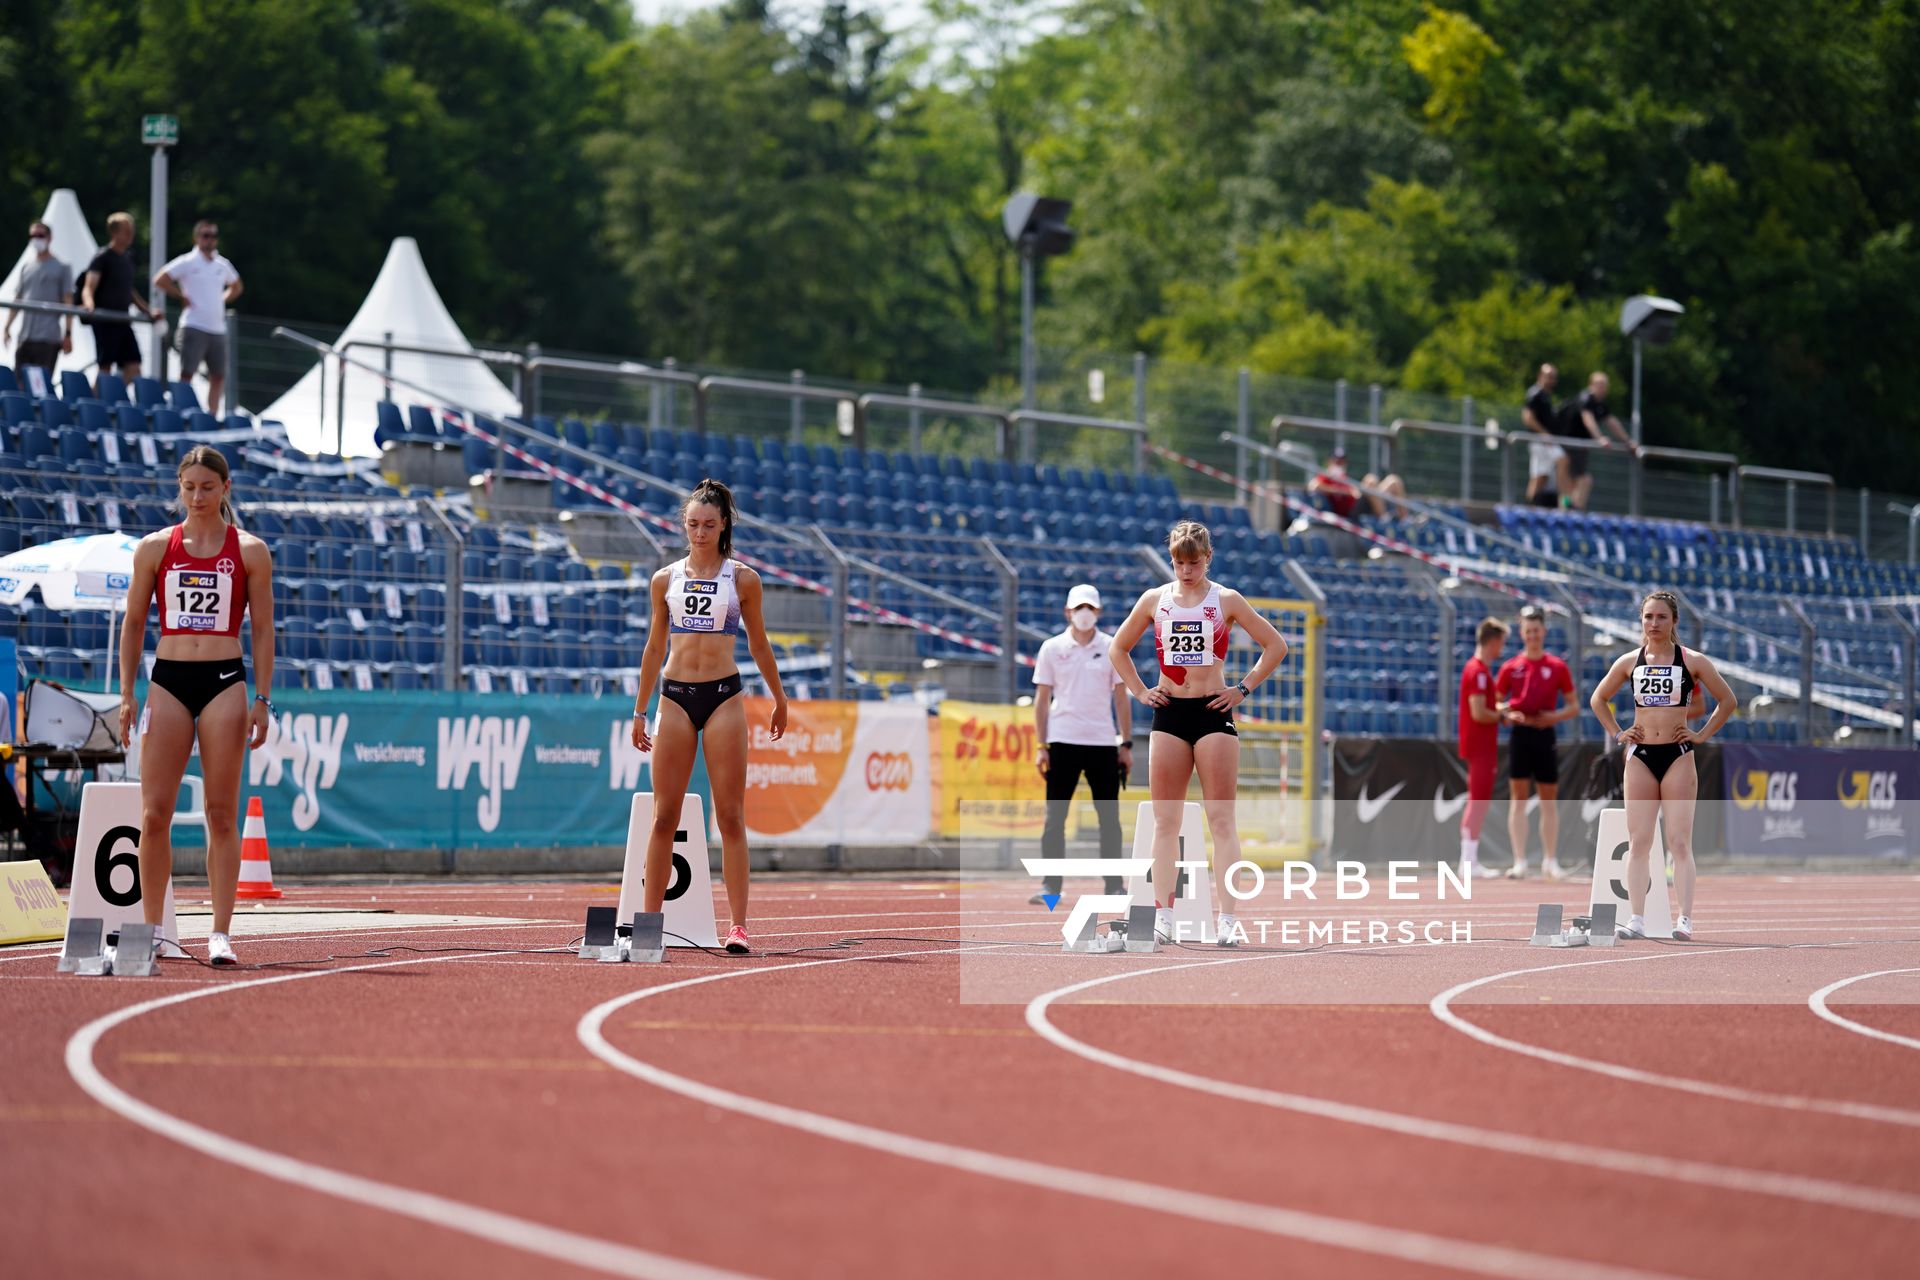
129,951
1140,939
641,942
1088,940
1581,931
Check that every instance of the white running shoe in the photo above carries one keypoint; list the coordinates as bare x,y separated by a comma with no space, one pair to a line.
1163,925
1226,933
1683,929
1481,871
1552,871
1518,871
1635,927
167,950
220,950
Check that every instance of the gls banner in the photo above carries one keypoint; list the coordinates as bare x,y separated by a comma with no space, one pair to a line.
1821,801
444,770
1403,798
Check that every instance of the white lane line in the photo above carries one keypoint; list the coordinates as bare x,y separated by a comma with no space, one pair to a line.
1297,1224
1818,1003
454,1215
1441,1007
1760,1182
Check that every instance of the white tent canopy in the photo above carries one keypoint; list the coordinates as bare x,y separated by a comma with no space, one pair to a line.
73,244
402,304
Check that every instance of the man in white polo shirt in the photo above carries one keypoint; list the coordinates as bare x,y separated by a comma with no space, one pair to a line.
204,280
1077,696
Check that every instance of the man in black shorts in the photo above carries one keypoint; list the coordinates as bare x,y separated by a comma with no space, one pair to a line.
1533,693
1546,461
108,293
1582,419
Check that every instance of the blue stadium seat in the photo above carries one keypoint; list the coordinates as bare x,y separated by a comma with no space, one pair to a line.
148,393
388,425
183,397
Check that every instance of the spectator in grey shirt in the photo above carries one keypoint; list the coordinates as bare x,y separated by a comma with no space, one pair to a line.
43,337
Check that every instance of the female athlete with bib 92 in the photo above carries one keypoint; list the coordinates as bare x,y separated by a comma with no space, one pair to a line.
207,574
1660,778
702,602
1193,707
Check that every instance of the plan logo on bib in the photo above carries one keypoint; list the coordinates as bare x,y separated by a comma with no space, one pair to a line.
306,746
491,747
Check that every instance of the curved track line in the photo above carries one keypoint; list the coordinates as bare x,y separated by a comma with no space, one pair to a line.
1296,1224
1818,1003
1726,1177
1441,1008
454,1215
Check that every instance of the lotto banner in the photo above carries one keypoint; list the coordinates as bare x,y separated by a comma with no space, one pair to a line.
425,770
849,773
989,785
1821,802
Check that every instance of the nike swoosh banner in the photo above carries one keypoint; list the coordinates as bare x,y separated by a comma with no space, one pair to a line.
1403,798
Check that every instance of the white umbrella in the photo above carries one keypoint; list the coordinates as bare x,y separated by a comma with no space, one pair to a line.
74,573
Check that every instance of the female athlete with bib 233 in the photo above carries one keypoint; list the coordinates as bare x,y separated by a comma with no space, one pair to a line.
206,573
700,605
1193,704
1660,781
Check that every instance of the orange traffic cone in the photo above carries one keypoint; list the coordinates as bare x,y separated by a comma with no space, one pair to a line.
256,864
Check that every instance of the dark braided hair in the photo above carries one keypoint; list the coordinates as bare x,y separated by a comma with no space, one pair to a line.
720,498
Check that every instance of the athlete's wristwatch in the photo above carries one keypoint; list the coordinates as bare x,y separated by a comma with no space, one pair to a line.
1244,691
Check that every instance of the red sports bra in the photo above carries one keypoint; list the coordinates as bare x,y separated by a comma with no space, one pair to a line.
202,597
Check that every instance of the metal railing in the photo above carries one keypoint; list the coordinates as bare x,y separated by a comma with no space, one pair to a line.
1744,476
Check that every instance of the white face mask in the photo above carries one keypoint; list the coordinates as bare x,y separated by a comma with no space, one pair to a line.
38,244
1084,619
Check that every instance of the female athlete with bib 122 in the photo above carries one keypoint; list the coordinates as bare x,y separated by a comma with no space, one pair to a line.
206,573
701,603
1660,780
1193,706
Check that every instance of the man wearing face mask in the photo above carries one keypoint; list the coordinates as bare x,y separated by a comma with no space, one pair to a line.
45,279
1077,695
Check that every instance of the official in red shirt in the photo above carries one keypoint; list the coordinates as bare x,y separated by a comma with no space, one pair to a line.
1479,741
1534,692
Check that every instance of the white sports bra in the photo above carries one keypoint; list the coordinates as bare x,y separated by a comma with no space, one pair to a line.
703,606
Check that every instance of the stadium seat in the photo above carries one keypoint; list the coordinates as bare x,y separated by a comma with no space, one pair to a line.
183,397
148,393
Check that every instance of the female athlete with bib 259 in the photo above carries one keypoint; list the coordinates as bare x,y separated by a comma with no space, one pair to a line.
206,574
701,603
1660,780
1193,707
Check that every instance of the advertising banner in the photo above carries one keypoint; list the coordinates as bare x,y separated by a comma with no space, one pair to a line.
448,770
1821,801
1403,798
850,773
989,785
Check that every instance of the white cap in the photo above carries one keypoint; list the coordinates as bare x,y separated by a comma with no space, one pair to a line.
1085,593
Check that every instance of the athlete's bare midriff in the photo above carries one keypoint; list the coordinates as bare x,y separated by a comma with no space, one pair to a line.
692,659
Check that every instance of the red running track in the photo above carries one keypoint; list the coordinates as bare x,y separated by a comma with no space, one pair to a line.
1653,1110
